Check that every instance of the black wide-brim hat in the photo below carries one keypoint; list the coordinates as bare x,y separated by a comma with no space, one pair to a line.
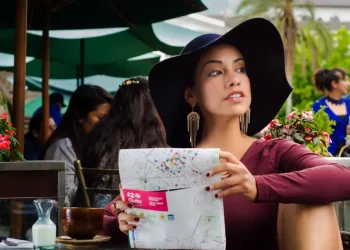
261,45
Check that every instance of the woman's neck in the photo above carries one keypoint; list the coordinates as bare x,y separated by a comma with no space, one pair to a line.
335,95
227,136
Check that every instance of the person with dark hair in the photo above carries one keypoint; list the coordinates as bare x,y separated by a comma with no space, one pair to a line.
334,84
56,105
275,193
32,140
133,122
87,106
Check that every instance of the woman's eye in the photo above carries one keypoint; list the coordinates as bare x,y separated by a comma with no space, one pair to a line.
241,70
215,73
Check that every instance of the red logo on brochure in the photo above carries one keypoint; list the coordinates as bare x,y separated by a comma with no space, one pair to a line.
149,200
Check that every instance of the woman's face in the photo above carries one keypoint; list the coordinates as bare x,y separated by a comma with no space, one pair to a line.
95,116
342,86
222,87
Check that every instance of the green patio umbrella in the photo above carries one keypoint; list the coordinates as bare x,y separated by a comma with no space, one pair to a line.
89,14
97,50
125,68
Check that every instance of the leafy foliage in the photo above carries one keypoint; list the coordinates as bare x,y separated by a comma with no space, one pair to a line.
310,35
304,93
311,130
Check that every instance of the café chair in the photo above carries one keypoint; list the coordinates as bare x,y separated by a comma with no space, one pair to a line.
89,192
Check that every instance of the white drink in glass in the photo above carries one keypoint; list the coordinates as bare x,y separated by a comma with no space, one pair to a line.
44,236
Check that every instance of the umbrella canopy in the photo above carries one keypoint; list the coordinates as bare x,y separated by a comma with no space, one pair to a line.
124,68
111,48
88,14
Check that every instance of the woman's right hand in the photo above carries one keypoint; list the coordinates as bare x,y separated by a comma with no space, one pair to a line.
126,221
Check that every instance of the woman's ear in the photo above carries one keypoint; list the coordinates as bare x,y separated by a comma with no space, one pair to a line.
334,84
190,97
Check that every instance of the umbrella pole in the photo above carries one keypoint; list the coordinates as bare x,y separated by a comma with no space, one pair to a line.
45,74
82,61
20,70
78,76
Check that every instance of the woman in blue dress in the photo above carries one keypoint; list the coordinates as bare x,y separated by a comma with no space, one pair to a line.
334,84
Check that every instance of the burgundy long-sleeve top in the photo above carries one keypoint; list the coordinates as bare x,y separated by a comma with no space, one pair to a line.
285,172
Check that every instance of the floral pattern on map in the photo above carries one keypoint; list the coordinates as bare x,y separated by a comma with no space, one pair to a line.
166,168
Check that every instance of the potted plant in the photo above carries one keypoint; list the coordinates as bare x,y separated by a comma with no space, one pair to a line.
8,143
303,127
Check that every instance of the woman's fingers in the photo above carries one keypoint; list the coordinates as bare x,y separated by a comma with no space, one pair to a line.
127,227
238,189
124,218
126,221
227,182
224,167
120,206
228,157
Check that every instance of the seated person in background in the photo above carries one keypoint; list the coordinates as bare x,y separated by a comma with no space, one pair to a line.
32,139
88,104
334,84
56,105
133,122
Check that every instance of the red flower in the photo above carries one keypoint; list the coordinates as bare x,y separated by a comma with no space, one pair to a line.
10,132
5,142
290,116
10,124
267,137
4,116
307,129
325,134
273,123
308,138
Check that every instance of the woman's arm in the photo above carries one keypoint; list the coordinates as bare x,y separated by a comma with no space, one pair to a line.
62,150
304,178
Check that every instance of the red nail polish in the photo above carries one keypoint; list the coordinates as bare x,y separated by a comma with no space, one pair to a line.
130,205
137,219
134,227
216,195
207,175
207,188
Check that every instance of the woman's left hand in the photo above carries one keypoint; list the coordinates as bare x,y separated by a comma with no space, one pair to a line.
237,178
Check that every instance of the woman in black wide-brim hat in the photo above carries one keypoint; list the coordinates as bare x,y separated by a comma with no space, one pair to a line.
220,91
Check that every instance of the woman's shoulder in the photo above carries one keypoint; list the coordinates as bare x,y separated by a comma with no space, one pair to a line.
63,144
275,147
318,103
277,142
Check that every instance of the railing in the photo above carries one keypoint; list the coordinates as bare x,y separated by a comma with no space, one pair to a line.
342,208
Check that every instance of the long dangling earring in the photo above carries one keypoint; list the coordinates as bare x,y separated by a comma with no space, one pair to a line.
193,126
244,121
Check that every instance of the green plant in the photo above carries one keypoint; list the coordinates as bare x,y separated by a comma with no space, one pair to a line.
304,93
310,35
8,143
311,130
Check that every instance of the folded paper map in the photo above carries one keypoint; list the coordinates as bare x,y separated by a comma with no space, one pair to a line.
167,188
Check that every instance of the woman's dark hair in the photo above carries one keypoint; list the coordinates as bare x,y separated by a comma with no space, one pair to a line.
83,101
324,77
133,122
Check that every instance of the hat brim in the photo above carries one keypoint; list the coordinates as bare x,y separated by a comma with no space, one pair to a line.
262,48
